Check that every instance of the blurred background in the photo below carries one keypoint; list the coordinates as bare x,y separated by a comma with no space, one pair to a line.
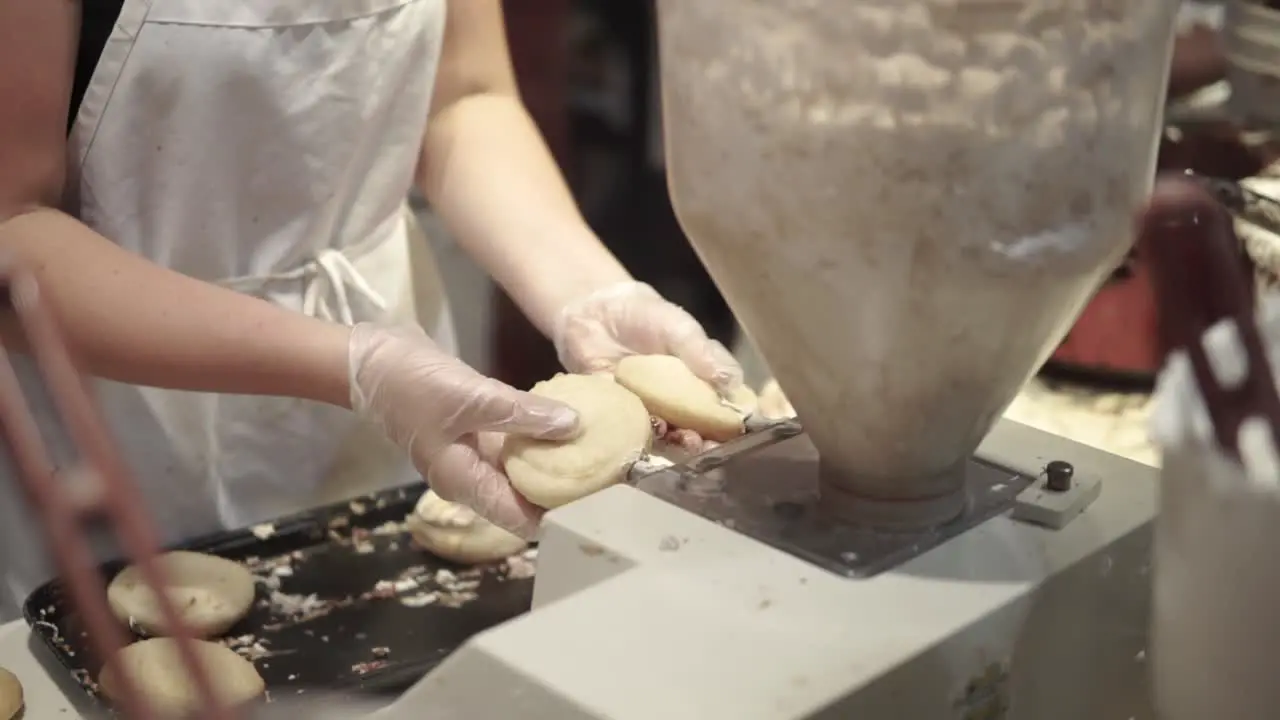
588,73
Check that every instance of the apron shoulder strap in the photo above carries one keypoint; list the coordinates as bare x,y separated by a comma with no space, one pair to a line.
97,19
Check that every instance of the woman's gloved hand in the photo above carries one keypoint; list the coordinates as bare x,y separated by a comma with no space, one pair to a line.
445,415
594,333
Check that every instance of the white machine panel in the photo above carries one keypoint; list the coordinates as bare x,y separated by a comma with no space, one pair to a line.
644,611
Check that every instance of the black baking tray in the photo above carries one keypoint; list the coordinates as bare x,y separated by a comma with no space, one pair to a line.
384,612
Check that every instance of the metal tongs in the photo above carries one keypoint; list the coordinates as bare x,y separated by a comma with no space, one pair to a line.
105,489
1248,205
1201,279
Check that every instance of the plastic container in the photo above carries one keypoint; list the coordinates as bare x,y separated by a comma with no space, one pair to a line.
907,203
1216,592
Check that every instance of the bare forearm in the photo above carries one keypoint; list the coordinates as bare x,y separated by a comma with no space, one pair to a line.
130,320
487,171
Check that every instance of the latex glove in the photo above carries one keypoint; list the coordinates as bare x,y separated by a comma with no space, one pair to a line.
435,407
594,333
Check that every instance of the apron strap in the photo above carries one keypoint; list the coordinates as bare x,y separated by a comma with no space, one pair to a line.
328,279
329,276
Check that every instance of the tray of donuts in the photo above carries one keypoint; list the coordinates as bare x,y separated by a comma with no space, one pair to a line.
370,594
364,596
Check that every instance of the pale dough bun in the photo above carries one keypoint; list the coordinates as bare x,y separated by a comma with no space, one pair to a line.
615,432
210,593
10,695
454,532
158,673
670,390
773,402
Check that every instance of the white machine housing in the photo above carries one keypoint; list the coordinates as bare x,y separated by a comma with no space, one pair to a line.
644,611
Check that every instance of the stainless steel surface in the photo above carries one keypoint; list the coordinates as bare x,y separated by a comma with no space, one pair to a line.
766,486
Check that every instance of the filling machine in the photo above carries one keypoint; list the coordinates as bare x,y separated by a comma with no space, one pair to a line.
906,205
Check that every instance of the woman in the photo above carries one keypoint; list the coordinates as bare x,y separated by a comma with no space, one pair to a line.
223,235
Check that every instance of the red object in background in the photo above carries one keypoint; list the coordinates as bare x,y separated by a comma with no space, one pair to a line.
1116,333
1115,336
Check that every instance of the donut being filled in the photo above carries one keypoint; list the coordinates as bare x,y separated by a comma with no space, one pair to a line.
614,431
688,412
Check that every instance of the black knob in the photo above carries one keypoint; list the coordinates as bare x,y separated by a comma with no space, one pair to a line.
1058,474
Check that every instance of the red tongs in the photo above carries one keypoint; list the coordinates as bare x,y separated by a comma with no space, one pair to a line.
1200,278
103,488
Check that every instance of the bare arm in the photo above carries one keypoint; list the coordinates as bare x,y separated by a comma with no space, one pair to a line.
486,169
128,319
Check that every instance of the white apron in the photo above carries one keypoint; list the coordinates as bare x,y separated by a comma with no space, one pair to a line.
268,146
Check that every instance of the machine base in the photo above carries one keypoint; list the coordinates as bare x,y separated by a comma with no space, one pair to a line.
643,610
765,486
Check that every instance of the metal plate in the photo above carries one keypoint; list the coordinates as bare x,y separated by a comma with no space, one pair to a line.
345,601
765,486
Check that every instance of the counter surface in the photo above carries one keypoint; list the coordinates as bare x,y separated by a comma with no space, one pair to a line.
47,688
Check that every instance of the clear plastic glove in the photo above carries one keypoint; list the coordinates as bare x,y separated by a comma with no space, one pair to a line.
594,333
446,416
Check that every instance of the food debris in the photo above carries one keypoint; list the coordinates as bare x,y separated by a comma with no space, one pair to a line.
381,652
685,440
522,566
420,600
256,651
659,426
50,629
263,531
365,668
251,647
295,604
457,590
85,680
239,641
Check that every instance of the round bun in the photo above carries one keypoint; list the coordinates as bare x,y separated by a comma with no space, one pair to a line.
10,695
210,593
773,402
158,673
454,532
670,390
615,431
